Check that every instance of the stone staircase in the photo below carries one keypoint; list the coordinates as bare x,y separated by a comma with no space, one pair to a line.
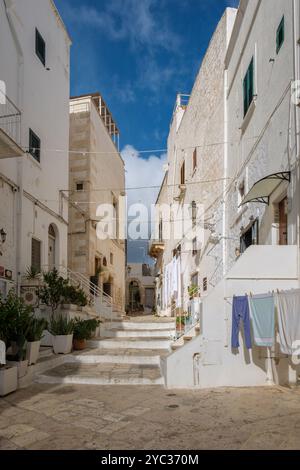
128,352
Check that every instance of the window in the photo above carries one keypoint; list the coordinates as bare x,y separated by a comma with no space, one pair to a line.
182,173
195,159
195,251
34,145
249,236
79,186
249,87
280,35
36,254
40,47
194,280
194,214
111,258
204,284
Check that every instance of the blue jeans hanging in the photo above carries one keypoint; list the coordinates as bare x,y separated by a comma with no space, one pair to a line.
240,311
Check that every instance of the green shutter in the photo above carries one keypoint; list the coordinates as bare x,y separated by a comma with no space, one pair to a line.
280,35
248,87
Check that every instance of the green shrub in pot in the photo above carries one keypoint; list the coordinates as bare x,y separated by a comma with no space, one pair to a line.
74,295
61,329
34,337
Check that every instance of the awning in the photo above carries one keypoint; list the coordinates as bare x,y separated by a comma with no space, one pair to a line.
264,188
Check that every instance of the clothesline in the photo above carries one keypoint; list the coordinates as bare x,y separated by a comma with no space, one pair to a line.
257,314
266,294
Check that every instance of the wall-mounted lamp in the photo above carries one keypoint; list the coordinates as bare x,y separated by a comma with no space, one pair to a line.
3,235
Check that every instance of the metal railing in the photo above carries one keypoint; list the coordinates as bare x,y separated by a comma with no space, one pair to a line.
10,118
97,298
185,320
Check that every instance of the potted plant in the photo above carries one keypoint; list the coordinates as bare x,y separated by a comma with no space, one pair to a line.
81,334
93,326
180,322
34,337
193,291
20,317
83,330
51,293
74,296
8,374
61,329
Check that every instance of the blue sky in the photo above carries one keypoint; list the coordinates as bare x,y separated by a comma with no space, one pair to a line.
139,54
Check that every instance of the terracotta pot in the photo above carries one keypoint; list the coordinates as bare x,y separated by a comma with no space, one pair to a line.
79,344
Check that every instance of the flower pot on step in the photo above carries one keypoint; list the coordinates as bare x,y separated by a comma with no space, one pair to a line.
79,344
8,380
33,352
22,367
62,344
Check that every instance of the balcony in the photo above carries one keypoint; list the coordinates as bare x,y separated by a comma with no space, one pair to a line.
156,247
10,128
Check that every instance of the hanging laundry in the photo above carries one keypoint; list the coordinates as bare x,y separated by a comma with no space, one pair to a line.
240,312
262,310
288,309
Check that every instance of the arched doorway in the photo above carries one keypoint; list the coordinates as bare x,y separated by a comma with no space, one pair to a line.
52,239
134,296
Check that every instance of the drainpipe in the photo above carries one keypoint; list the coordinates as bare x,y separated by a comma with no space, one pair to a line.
8,4
224,254
296,37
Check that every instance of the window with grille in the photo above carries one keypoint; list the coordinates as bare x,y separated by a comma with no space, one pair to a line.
36,254
40,47
79,187
34,145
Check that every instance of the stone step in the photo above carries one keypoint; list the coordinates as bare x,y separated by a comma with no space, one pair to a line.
132,333
130,343
113,356
134,325
102,374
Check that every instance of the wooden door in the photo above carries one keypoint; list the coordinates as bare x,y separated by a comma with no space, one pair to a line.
283,222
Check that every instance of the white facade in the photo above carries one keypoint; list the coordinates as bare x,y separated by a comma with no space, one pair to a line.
255,247
31,190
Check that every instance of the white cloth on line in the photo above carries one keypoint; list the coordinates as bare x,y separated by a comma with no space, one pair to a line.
288,309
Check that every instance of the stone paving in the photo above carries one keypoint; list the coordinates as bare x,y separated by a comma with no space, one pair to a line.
130,417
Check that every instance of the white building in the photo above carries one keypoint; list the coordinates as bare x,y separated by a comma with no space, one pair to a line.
140,288
254,218
97,178
34,135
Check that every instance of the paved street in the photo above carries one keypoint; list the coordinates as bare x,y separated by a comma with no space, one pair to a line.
141,417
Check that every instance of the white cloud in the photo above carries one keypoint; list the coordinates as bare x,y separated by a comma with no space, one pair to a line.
128,19
142,172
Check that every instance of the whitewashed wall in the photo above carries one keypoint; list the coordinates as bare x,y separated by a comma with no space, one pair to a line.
43,97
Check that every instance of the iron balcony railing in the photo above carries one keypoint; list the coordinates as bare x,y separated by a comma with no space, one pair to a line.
10,118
